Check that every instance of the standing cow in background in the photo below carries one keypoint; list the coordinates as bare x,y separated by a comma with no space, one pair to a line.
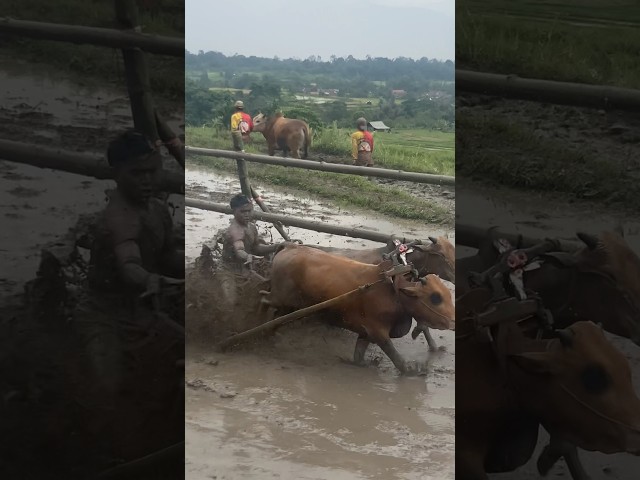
286,134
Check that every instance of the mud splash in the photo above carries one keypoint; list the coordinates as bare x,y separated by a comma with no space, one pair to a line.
292,406
514,212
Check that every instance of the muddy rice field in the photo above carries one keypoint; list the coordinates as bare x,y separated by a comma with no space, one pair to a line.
291,406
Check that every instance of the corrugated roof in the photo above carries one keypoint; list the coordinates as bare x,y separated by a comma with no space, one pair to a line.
379,125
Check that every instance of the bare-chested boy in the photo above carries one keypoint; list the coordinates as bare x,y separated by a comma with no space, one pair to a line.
241,243
133,253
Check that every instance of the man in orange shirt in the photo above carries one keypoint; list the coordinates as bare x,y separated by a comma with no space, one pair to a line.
241,127
362,145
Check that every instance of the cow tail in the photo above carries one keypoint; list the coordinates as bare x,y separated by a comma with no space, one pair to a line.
307,142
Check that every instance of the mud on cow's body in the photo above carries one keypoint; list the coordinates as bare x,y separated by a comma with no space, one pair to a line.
286,134
303,276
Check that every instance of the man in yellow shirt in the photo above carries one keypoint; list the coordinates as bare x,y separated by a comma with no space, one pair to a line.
241,127
362,145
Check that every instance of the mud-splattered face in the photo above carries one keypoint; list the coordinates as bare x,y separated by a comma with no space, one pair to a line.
244,214
138,178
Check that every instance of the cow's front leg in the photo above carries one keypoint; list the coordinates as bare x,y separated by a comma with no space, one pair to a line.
393,354
430,341
558,448
361,348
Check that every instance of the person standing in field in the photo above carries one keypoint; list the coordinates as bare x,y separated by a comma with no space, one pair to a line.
241,126
362,145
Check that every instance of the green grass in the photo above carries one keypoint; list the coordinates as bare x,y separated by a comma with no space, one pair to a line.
496,151
344,190
553,48
90,63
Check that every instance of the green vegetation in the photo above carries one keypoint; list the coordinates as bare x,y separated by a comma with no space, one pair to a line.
99,64
321,93
502,152
585,41
347,190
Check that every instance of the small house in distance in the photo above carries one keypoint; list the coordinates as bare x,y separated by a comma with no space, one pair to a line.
378,126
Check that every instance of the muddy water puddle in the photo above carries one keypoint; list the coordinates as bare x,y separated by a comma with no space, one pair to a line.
515,212
299,412
293,406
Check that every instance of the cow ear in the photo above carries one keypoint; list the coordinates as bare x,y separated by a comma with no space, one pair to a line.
534,362
411,291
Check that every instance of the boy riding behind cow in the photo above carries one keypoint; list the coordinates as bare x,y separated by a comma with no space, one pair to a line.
241,243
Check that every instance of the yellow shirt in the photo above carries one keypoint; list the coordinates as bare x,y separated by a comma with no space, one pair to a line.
356,137
236,118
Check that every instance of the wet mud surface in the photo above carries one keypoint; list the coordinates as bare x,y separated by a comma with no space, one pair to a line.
292,406
514,212
44,381
37,205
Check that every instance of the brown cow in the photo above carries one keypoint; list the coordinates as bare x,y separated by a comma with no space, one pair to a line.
302,276
577,386
600,281
286,134
436,257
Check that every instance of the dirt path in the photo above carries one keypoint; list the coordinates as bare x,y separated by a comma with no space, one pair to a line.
290,407
514,212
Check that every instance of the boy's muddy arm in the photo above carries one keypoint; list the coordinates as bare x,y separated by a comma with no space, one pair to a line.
264,249
132,273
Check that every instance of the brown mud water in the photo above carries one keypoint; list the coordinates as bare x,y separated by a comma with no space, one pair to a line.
514,212
291,405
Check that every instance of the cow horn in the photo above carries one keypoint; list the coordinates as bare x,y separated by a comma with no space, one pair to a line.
423,280
519,241
434,240
589,240
565,337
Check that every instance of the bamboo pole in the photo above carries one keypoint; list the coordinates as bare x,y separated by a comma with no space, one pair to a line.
87,164
264,208
326,167
137,466
598,96
280,321
293,221
243,176
472,236
137,75
170,139
105,37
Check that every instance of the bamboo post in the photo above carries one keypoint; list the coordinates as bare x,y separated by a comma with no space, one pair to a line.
244,177
325,167
170,139
87,164
137,74
280,321
104,37
264,208
472,236
293,221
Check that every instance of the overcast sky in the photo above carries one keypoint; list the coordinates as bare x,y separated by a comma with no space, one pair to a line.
290,28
